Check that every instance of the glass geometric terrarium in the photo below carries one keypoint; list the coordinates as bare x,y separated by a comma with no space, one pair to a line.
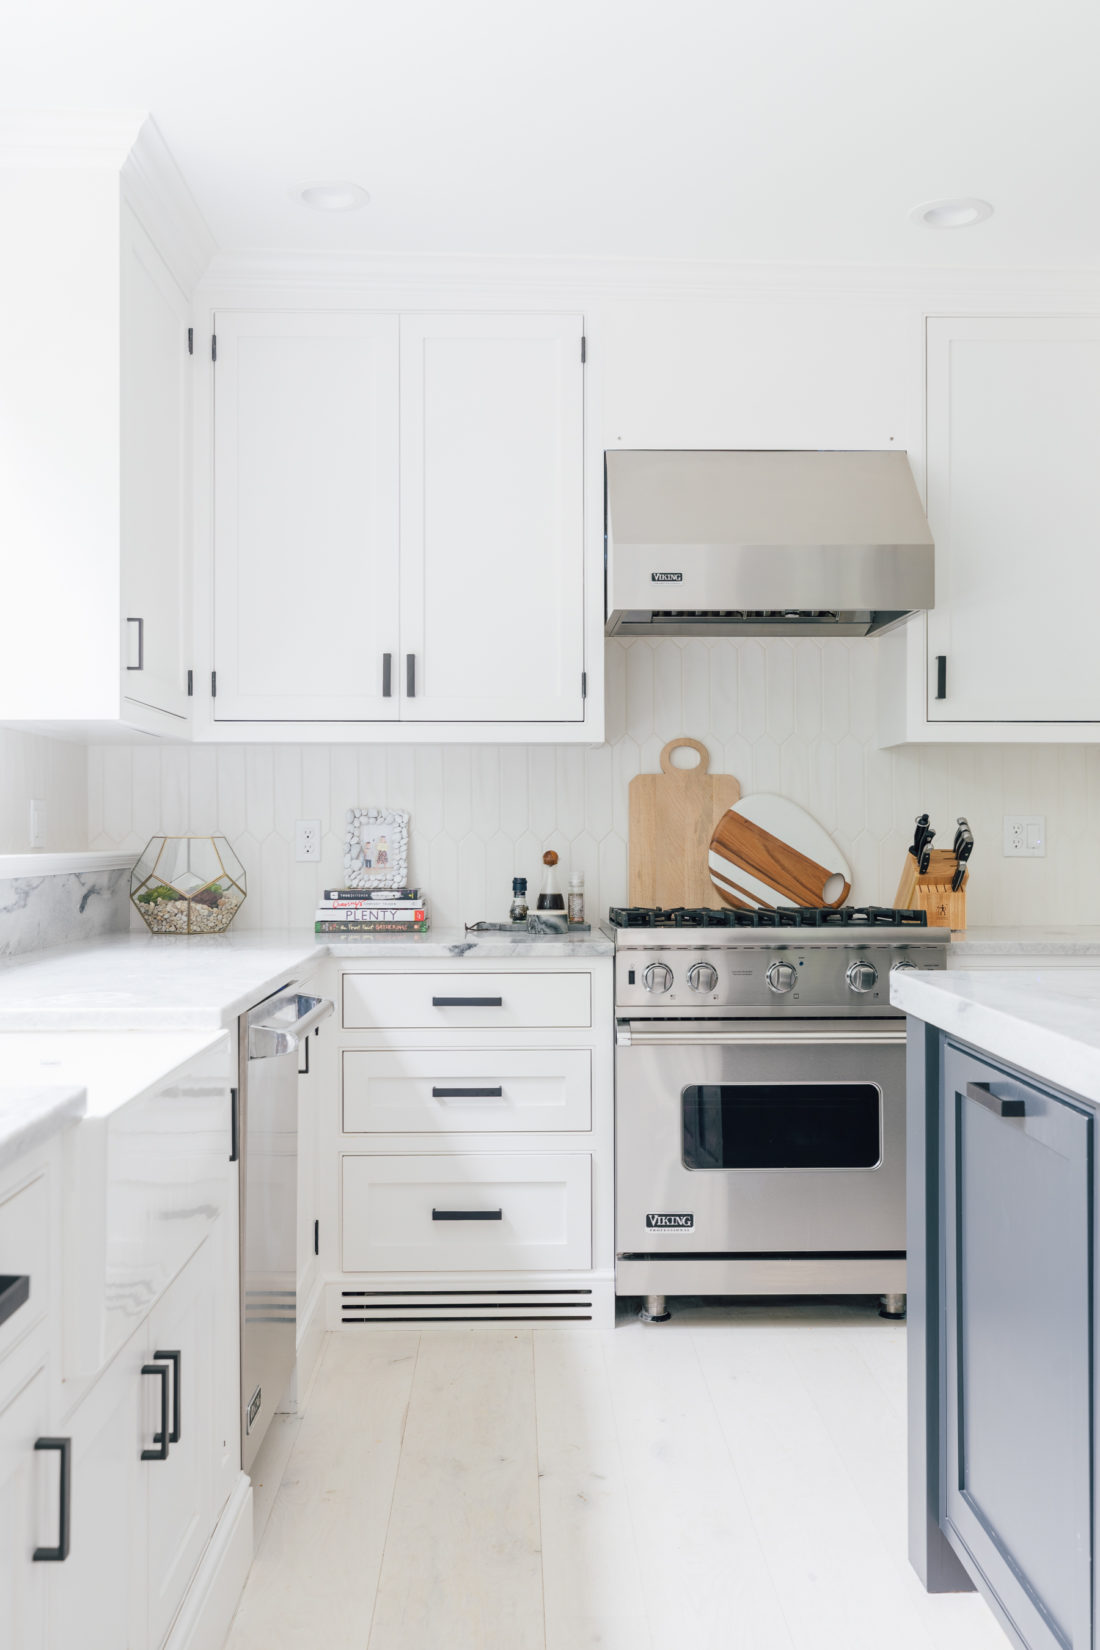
188,884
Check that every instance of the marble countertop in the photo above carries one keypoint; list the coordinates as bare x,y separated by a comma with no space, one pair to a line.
105,1069
187,983
31,1111
1046,1021
1023,941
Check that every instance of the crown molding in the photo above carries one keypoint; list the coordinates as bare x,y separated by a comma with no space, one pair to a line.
154,187
62,137
379,279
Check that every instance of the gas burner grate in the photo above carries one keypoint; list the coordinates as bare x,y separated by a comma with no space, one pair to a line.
785,916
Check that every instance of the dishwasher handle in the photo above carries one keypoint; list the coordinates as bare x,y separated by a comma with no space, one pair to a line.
270,1038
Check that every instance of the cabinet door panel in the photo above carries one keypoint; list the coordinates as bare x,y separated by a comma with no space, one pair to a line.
305,516
155,517
1019,1235
492,531
1013,501
96,1598
28,1517
179,1490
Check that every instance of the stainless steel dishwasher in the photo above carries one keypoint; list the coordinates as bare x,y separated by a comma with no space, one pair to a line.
266,1139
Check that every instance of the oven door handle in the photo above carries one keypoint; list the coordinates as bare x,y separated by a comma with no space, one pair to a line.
628,1035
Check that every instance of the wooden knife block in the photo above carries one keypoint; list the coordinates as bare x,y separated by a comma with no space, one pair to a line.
932,891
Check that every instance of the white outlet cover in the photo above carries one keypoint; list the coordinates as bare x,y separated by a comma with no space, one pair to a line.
1025,836
307,840
36,830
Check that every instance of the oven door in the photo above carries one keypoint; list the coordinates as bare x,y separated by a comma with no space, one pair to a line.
741,1138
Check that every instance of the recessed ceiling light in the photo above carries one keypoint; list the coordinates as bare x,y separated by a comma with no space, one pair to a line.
333,197
952,214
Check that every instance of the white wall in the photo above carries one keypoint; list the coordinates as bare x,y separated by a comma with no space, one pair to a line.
55,772
796,717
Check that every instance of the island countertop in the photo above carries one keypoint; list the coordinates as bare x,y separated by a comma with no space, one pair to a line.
1043,1020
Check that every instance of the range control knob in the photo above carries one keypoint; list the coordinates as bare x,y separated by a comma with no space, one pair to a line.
657,977
781,977
862,976
896,968
702,977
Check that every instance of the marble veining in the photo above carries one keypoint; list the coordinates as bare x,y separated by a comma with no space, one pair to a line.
62,908
1038,941
31,1112
1046,1021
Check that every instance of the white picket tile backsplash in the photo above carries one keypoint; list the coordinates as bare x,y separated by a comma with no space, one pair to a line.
796,717
54,771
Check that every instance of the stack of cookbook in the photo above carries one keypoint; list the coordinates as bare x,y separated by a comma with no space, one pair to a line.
371,911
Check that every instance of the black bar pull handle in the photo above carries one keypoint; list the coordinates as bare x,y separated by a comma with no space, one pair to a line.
387,675
467,1094
983,1094
941,675
160,1437
58,1554
174,1358
141,644
410,676
467,1214
467,1002
234,1125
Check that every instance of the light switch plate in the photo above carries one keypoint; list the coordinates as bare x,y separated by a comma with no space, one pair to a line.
307,840
1025,836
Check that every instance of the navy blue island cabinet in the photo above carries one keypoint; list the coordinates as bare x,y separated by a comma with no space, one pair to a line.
1002,1180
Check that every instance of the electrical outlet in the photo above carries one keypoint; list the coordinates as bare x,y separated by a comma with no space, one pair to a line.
37,828
1025,836
307,839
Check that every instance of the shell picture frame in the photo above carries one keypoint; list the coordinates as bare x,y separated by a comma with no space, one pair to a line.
376,848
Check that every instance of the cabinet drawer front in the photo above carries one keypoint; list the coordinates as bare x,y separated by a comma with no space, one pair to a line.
1019,1233
460,1091
467,1001
25,1250
467,1213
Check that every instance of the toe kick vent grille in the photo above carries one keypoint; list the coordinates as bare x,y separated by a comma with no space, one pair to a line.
465,1306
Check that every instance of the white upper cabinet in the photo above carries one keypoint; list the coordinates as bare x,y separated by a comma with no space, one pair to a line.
398,524
1013,427
305,587
95,405
155,517
492,528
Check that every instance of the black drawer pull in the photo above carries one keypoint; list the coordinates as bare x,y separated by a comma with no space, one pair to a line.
387,675
234,1126
160,1437
58,1554
983,1094
467,1214
467,1094
467,1002
174,1359
15,1290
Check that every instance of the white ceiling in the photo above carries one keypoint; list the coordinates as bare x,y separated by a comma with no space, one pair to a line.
783,130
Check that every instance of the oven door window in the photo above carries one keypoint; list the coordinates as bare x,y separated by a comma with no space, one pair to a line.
782,1126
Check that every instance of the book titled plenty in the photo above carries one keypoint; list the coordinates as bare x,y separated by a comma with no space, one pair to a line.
382,915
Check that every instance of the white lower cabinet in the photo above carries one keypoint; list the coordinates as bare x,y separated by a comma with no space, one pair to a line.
141,1506
26,1511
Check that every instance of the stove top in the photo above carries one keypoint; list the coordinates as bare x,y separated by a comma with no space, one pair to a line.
785,916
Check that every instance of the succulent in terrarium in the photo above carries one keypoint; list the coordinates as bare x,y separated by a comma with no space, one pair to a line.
188,884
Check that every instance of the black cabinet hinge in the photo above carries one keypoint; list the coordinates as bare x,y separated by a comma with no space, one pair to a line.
190,340
584,684
316,1237
190,684
213,346
213,684
584,349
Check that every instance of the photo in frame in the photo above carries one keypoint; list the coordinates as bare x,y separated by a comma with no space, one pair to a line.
376,848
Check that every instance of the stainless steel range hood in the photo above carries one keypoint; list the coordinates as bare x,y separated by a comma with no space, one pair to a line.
764,543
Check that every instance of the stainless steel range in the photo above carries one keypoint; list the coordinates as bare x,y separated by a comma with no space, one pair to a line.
760,1101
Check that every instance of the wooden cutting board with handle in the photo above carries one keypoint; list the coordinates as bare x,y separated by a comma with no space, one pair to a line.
767,851
672,819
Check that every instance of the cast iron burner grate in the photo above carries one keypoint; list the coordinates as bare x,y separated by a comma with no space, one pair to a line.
786,916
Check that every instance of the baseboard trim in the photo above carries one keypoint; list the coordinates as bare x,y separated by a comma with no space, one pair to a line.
210,1603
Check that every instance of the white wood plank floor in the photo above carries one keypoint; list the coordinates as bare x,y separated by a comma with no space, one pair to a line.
732,1480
